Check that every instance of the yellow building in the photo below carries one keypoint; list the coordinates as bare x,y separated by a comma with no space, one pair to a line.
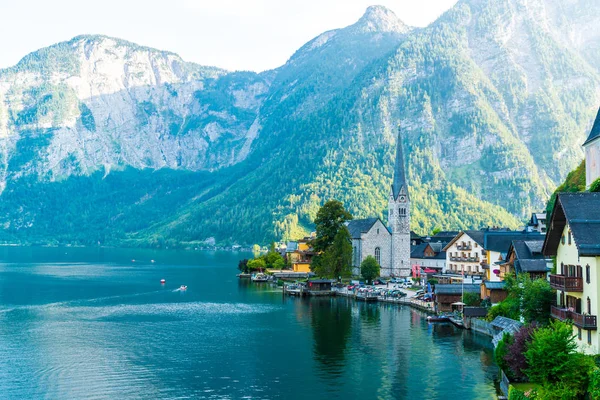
574,238
299,254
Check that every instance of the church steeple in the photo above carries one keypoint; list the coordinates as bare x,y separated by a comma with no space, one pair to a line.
399,182
399,217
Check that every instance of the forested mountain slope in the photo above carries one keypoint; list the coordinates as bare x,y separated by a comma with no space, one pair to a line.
103,141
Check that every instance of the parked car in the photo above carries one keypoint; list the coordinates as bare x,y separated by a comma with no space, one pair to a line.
419,292
378,282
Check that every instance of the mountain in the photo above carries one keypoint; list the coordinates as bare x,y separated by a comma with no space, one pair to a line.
103,141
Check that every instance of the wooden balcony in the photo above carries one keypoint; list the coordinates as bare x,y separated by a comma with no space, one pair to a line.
566,283
464,247
579,320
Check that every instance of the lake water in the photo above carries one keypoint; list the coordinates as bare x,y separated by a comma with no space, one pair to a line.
91,323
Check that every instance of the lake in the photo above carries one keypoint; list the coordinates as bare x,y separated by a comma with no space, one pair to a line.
97,323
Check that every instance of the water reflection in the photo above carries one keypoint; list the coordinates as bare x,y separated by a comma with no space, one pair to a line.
332,324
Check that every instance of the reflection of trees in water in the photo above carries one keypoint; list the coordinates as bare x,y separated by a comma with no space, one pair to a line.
332,325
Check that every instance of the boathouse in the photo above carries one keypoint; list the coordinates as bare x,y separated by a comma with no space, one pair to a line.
445,295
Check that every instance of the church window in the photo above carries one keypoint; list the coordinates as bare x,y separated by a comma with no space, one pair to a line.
562,239
402,211
378,231
569,238
378,255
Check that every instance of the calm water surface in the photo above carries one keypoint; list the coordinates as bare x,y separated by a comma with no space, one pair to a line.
91,323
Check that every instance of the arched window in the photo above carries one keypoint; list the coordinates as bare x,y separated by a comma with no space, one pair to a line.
589,306
402,211
378,255
569,238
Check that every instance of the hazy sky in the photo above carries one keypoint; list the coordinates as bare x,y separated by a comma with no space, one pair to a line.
232,34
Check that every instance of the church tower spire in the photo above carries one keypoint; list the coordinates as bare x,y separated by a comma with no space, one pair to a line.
399,217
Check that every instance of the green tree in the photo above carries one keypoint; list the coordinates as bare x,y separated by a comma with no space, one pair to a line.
471,299
337,259
595,186
553,361
257,264
243,265
536,299
369,268
330,218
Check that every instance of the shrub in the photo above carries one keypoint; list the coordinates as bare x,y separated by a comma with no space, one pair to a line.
595,186
594,386
515,357
501,352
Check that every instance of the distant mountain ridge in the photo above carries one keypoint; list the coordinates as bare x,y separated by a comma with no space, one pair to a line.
493,101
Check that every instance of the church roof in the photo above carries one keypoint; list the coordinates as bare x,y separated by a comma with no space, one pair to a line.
399,175
359,226
595,132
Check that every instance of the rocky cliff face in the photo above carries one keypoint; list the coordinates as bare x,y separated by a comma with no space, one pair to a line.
493,101
102,103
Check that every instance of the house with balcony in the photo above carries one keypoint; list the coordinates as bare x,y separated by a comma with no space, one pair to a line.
525,257
573,237
464,253
480,253
299,254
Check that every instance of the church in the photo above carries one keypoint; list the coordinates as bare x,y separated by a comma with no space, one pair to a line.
389,245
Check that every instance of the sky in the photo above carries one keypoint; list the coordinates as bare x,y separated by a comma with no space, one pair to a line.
251,35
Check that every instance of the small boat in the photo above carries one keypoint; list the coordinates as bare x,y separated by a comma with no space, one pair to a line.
182,287
260,277
163,281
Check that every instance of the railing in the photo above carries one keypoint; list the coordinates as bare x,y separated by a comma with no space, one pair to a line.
580,320
566,283
463,247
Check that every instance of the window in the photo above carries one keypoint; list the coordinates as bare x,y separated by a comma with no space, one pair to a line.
475,244
378,231
588,278
579,333
402,211
589,337
569,238
355,256
378,255
562,239
589,306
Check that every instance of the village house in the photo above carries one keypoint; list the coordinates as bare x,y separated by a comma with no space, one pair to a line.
525,257
480,253
299,254
465,253
429,257
537,222
574,239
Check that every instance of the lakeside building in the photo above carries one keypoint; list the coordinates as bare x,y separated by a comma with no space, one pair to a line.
389,245
447,295
574,239
592,153
299,254
526,257
481,252
537,223
428,256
